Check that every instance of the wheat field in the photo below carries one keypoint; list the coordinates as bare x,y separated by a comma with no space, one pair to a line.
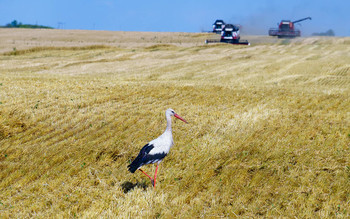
268,133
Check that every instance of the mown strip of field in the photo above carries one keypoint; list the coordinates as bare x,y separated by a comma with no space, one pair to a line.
268,131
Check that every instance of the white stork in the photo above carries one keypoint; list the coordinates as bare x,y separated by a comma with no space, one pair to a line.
157,149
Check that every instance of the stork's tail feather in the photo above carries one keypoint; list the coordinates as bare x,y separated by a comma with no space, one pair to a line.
137,163
134,166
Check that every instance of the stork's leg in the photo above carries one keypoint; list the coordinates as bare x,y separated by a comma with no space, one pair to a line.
155,176
146,174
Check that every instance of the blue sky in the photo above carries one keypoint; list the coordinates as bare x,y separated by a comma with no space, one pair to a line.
255,16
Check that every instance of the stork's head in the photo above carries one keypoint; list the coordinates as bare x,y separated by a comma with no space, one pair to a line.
170,112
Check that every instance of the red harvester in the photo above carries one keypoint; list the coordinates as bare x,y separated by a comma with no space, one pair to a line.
286,29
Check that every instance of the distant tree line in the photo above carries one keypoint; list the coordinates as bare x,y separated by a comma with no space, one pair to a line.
329,32
16,24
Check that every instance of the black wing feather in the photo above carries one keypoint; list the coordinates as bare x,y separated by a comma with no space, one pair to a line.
145,158
139,160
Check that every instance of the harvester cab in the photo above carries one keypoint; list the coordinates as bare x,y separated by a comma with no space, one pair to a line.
286,25
230,34
218,26
286,29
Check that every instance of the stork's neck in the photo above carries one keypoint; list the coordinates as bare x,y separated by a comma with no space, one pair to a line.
168,124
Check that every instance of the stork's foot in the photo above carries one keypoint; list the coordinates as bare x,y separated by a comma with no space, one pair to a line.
152,181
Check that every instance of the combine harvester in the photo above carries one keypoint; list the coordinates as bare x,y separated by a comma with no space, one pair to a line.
229,34
218,26
286,29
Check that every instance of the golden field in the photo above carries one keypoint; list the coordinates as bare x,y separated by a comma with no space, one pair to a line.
268,132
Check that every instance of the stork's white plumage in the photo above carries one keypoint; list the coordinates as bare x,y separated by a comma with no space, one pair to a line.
157,149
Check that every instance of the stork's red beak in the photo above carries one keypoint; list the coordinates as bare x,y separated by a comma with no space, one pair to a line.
179,117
